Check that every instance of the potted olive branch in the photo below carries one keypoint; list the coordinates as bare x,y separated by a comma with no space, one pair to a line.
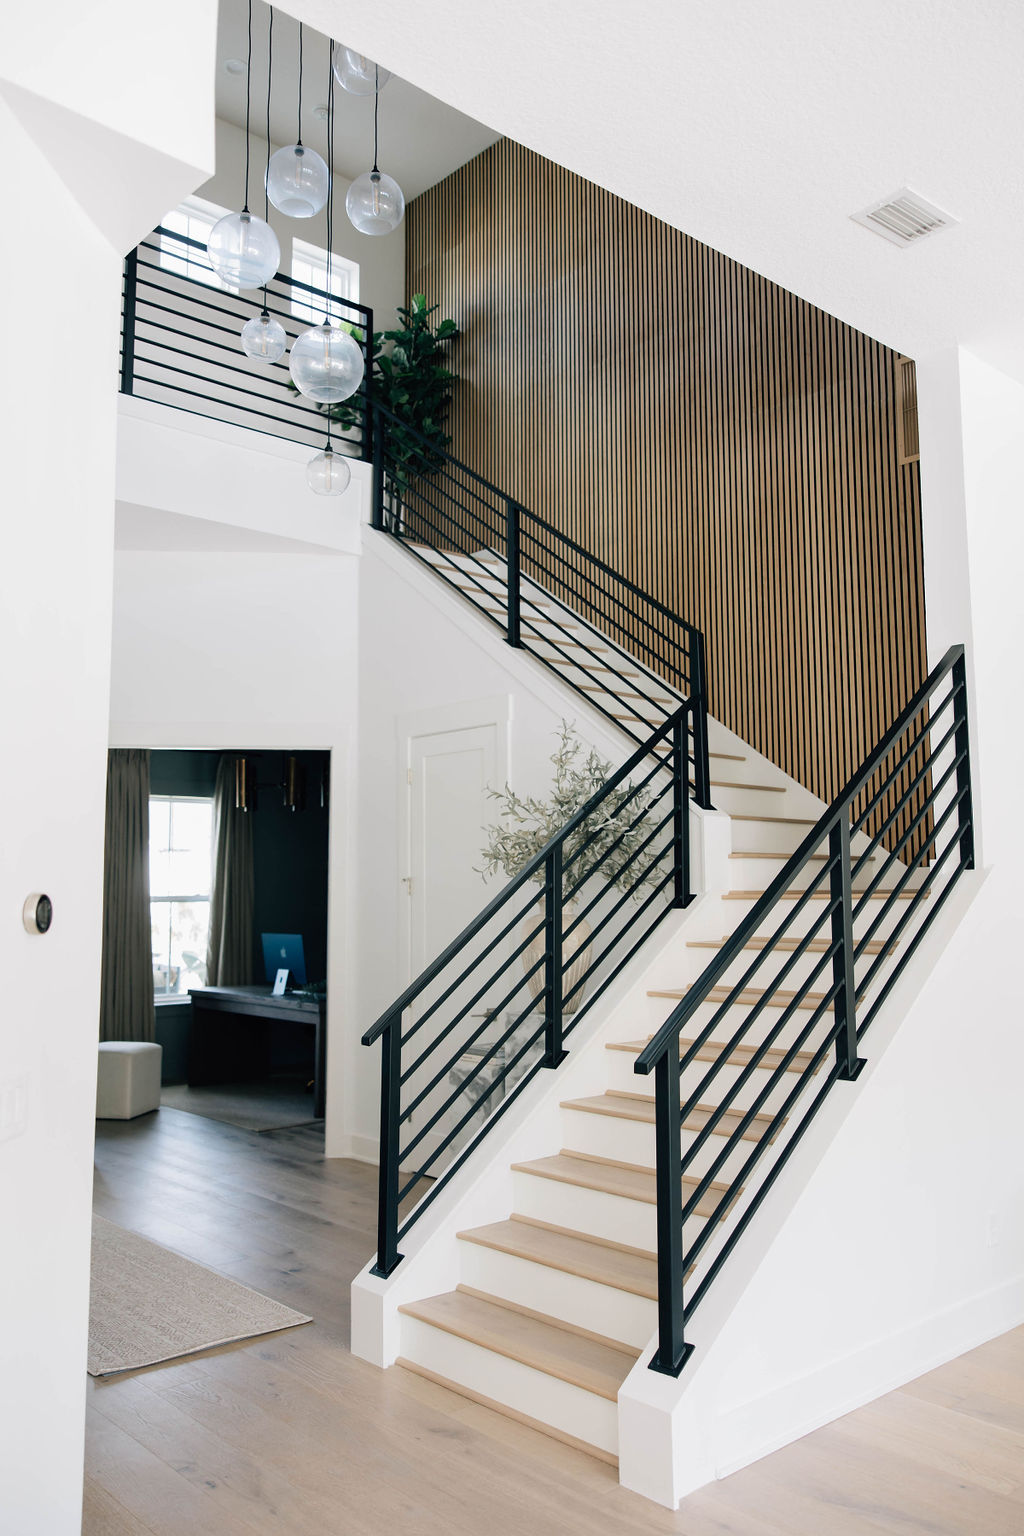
611,842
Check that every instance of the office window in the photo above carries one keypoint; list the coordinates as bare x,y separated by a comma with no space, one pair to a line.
180,876
309,265
194,218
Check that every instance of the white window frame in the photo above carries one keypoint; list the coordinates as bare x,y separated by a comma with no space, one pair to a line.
195,217
193,898
309,265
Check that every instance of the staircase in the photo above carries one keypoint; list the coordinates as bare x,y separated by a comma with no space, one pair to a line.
556,1301
651,1181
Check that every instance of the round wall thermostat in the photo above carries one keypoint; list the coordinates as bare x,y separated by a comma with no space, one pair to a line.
37,914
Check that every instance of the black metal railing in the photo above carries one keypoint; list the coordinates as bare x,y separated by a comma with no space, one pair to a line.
847,919
628,655
463,1041
180,344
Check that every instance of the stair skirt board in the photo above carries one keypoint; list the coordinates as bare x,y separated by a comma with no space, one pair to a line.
569,1409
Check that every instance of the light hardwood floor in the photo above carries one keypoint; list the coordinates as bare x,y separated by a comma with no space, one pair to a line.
290,1436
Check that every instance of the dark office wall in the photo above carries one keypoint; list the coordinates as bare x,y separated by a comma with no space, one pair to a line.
289,847
290,852
182,773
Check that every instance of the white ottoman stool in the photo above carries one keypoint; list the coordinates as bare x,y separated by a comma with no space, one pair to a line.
128,1083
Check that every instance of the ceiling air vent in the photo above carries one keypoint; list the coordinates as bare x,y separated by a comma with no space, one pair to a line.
903,218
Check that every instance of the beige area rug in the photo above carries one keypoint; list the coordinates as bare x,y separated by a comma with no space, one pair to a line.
149,1304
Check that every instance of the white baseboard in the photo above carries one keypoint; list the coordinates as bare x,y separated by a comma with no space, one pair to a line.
866,1374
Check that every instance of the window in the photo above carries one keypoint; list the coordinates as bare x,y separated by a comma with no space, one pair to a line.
194,218
309,265
180,876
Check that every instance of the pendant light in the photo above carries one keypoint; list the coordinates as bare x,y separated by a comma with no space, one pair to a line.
375,203
357,74
328,474
326,362
263,337
297,178
243,251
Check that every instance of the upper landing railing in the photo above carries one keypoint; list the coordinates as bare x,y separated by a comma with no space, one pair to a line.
180,344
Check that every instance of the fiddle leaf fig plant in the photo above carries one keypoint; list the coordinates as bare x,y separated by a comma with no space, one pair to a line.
411,379
609,842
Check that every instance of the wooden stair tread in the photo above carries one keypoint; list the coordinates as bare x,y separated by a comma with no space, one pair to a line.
595,650
757,853
626,693
618,672
795,892
780,998
595,1366
624,1269
787,821
767,789
627,1180
786,945
713,1050
640,1106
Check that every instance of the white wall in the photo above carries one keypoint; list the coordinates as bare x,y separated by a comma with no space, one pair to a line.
420,648
381,258
136,120
235,622
905,1243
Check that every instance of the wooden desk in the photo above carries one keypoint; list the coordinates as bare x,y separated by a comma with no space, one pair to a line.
229,1031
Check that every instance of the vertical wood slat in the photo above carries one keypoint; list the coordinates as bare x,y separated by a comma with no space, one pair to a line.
739,453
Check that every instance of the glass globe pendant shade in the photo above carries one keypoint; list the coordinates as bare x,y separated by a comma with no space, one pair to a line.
297,181
328,474
264,338
357,74
243,250
326,364
375,203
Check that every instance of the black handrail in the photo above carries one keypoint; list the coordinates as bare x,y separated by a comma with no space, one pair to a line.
933,799
180,347
547,593
487,959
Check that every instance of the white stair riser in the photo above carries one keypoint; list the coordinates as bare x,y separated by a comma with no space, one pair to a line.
811,916
601,1309
632,1141
558,1403
809,968
758,874
746,798
622,1077
767,836
594,1212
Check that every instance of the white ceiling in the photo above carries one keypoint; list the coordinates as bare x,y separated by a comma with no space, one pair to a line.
421,139
760,126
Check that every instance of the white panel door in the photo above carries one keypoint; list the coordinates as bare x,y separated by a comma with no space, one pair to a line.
448,809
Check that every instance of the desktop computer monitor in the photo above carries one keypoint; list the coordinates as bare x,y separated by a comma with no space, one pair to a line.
284,949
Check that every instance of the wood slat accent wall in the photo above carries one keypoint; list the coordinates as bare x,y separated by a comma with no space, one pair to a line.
726,445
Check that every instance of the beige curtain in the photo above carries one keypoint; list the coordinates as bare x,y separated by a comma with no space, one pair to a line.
126,988
229,955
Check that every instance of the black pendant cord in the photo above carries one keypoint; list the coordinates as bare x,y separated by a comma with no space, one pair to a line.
266,179
248,98
298,141
330,202
376,111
